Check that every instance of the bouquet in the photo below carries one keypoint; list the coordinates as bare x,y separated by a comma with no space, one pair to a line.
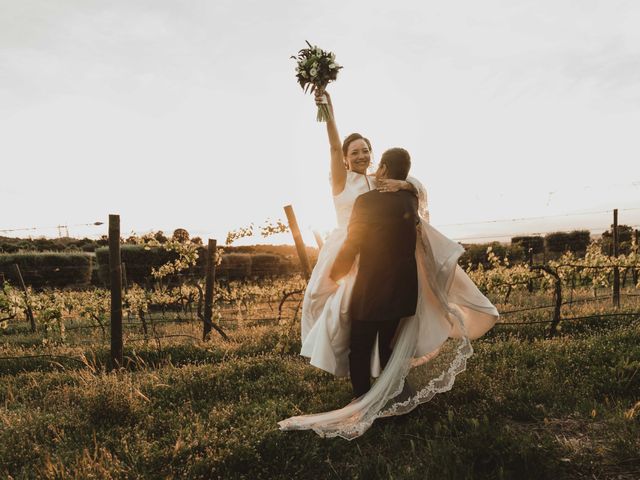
315,69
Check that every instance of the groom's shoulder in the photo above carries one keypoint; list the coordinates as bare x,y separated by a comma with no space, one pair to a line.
368,196
377,195
372,196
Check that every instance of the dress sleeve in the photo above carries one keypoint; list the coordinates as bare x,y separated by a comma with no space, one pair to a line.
423,205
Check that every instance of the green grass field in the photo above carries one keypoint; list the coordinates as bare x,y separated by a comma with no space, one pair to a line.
527,408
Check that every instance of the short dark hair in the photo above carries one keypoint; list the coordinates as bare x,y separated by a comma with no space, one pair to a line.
352,138
398,163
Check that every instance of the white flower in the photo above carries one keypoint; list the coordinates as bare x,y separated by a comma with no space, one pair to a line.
332,66
313,72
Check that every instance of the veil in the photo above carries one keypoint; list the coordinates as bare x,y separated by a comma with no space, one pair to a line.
431,347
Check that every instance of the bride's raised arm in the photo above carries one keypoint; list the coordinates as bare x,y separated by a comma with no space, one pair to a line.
338,168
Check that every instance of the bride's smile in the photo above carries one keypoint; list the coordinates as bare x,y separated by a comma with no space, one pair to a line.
359,156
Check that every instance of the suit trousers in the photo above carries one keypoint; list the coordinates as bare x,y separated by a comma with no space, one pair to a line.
363,337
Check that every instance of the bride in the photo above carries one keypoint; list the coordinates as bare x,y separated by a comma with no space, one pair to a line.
430,348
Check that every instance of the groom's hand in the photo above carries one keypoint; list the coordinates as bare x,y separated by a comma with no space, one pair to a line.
390,185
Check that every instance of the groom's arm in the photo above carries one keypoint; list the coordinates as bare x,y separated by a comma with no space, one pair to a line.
351,247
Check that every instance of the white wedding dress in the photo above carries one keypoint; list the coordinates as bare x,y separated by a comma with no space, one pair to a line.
431,347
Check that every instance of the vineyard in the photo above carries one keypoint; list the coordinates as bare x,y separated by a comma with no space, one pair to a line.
551,392
59,311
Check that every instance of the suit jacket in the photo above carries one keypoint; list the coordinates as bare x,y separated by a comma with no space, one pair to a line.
382,230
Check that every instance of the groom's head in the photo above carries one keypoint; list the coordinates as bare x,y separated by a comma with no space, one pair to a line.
395,163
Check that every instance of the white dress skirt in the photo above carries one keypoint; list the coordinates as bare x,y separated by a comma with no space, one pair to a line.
431,347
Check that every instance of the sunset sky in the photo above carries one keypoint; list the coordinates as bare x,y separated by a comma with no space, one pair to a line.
187,114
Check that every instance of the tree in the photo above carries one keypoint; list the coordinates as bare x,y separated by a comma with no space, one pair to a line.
476,254
180,235
160,237
535,242
575,241
625,240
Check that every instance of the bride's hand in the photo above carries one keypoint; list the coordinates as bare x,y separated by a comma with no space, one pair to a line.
390,185
318,97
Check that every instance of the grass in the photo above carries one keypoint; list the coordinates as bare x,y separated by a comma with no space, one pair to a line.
526,408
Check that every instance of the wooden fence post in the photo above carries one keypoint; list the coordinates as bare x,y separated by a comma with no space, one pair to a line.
125,283
210,279
557,311
530,283
616,270
27,302
115,277
553,329
318,238
297,238
637,251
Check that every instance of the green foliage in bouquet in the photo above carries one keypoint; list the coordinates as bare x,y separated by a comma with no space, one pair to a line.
315,69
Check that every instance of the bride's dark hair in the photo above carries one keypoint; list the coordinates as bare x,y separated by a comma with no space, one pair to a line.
351,138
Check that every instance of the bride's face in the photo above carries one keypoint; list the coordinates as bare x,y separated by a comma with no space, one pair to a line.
358,156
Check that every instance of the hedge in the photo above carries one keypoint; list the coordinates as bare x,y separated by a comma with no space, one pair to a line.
139,262
476,253
235,266
560,242
13,245
265,265
535,242
48,269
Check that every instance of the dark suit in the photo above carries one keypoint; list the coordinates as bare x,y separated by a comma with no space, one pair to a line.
382,230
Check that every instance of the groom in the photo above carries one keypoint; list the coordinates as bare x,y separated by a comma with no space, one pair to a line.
382,230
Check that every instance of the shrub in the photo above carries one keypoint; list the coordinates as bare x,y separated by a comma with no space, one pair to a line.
48,269
12,245
180,235
138,262
476,253
560,242
579,240
235,266
265,265
534,242
625,240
